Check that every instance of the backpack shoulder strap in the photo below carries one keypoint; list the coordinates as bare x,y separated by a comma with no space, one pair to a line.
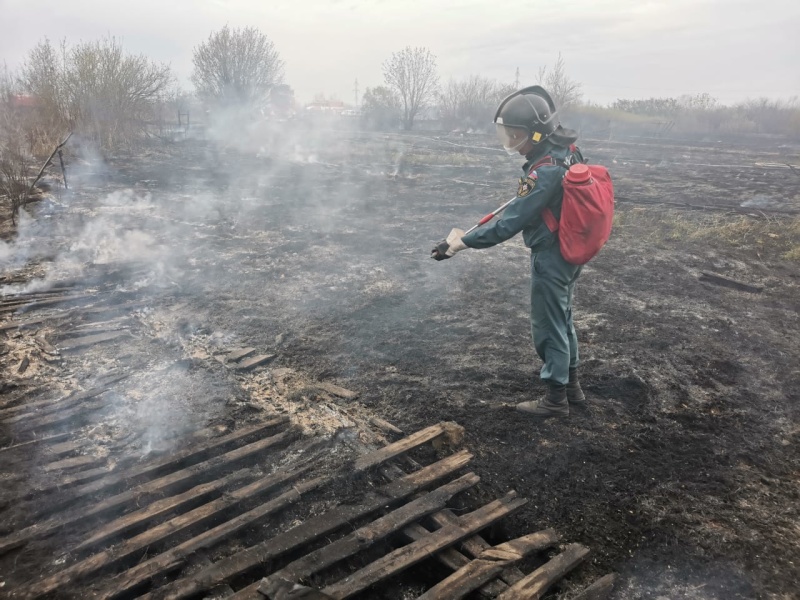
549,161
546,161
547,215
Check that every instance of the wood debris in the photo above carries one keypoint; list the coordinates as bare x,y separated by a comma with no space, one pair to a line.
337,391
256,361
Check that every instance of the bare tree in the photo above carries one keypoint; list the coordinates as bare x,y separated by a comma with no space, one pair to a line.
564,91
471,102
236,67
15,161
411,72
95,88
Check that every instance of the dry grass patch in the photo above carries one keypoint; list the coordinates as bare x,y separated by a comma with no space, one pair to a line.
779,236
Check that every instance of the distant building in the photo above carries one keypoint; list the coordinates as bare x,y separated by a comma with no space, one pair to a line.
23,102
326,107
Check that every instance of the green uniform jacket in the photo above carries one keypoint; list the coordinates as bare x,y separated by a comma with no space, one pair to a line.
525,212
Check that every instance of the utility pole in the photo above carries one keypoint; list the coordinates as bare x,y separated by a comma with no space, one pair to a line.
516,80
355,91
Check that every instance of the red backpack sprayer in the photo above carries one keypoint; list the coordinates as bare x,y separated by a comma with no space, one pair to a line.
587,212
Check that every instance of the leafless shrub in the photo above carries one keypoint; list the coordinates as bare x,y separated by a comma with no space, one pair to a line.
471,103
702,114
15,166
411,72
769,116
236,67
565,92
94,88
14,160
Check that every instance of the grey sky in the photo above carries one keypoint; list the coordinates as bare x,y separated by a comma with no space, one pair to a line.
733,49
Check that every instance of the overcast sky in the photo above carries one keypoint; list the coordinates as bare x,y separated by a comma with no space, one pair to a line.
733,49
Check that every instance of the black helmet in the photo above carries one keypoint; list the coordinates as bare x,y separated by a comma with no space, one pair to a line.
529,114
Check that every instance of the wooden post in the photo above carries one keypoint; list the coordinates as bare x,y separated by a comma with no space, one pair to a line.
47,162
63,170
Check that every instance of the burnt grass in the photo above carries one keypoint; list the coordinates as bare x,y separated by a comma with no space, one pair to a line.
683,475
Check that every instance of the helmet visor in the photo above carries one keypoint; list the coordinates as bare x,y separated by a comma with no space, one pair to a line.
512,138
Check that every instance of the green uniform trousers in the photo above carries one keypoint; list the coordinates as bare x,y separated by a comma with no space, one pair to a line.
552,289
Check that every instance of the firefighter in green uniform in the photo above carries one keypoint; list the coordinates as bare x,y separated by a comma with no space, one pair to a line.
527,124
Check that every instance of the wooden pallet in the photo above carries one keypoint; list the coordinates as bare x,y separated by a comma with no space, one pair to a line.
174,527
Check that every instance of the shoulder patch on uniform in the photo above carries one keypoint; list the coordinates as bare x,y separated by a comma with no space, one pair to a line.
527,184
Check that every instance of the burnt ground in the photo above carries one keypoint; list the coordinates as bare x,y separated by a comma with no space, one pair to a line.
683,476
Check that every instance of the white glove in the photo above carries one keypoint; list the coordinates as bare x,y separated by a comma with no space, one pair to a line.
447,248
455,242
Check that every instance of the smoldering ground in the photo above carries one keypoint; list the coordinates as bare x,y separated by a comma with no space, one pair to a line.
316,247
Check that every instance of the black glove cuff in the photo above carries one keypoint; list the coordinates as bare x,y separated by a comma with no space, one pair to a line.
440,251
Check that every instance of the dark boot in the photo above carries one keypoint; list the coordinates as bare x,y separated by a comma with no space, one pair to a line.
575,394
554,404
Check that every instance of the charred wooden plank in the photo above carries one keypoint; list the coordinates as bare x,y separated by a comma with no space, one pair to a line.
28,323
74,414
221,591
91,340
15,302
122,307
450,557
239,354
340,392
77,333
256,361
385,426
159,508
283,581
42,440
475,545
171,559
47,302
399,447
599,590
139,473
161,485
64,448
730,283
537,583
23,364
42,407
489,564
454,560
52,291
314,528
73,463
415,552
20,300
66,481
158,534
